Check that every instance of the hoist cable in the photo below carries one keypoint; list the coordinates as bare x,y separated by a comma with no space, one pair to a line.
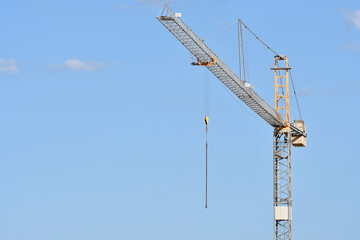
206,131
257,37
206,166
297,102
206,92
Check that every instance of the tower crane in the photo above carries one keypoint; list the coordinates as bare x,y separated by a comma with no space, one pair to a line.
285,133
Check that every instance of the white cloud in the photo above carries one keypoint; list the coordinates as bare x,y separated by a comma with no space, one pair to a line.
126,7
351,46
144,4
353,17
152,1
8,66
77,65
311,91
355,85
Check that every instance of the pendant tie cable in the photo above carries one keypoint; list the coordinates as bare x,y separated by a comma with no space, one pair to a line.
257,37
240,40
297,102
241,50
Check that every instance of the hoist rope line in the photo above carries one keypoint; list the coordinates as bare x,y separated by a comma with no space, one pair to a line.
206,170
297,102
257,37
206,129
208,92
206,107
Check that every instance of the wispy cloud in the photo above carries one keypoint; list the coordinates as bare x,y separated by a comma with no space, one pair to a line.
345,88
8,66
126,7
77,65
354,85
152,1
352,17
311,91
144,3
351,46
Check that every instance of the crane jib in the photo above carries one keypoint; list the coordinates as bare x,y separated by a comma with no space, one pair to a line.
203,53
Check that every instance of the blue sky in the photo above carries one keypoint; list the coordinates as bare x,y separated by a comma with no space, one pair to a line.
102,129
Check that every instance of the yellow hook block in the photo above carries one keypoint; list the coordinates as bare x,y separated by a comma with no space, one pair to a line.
206,120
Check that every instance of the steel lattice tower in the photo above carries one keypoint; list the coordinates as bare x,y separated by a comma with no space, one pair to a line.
282,184
282,154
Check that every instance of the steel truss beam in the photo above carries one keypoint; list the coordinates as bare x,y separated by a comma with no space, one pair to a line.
203,53
282,185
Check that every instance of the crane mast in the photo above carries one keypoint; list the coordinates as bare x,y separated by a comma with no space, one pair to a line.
282,154
285,133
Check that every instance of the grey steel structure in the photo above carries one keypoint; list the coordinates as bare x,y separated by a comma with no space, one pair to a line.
282,184
282,133
202,52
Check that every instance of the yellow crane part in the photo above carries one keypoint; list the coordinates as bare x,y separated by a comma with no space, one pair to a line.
282,89
206,120
205,63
